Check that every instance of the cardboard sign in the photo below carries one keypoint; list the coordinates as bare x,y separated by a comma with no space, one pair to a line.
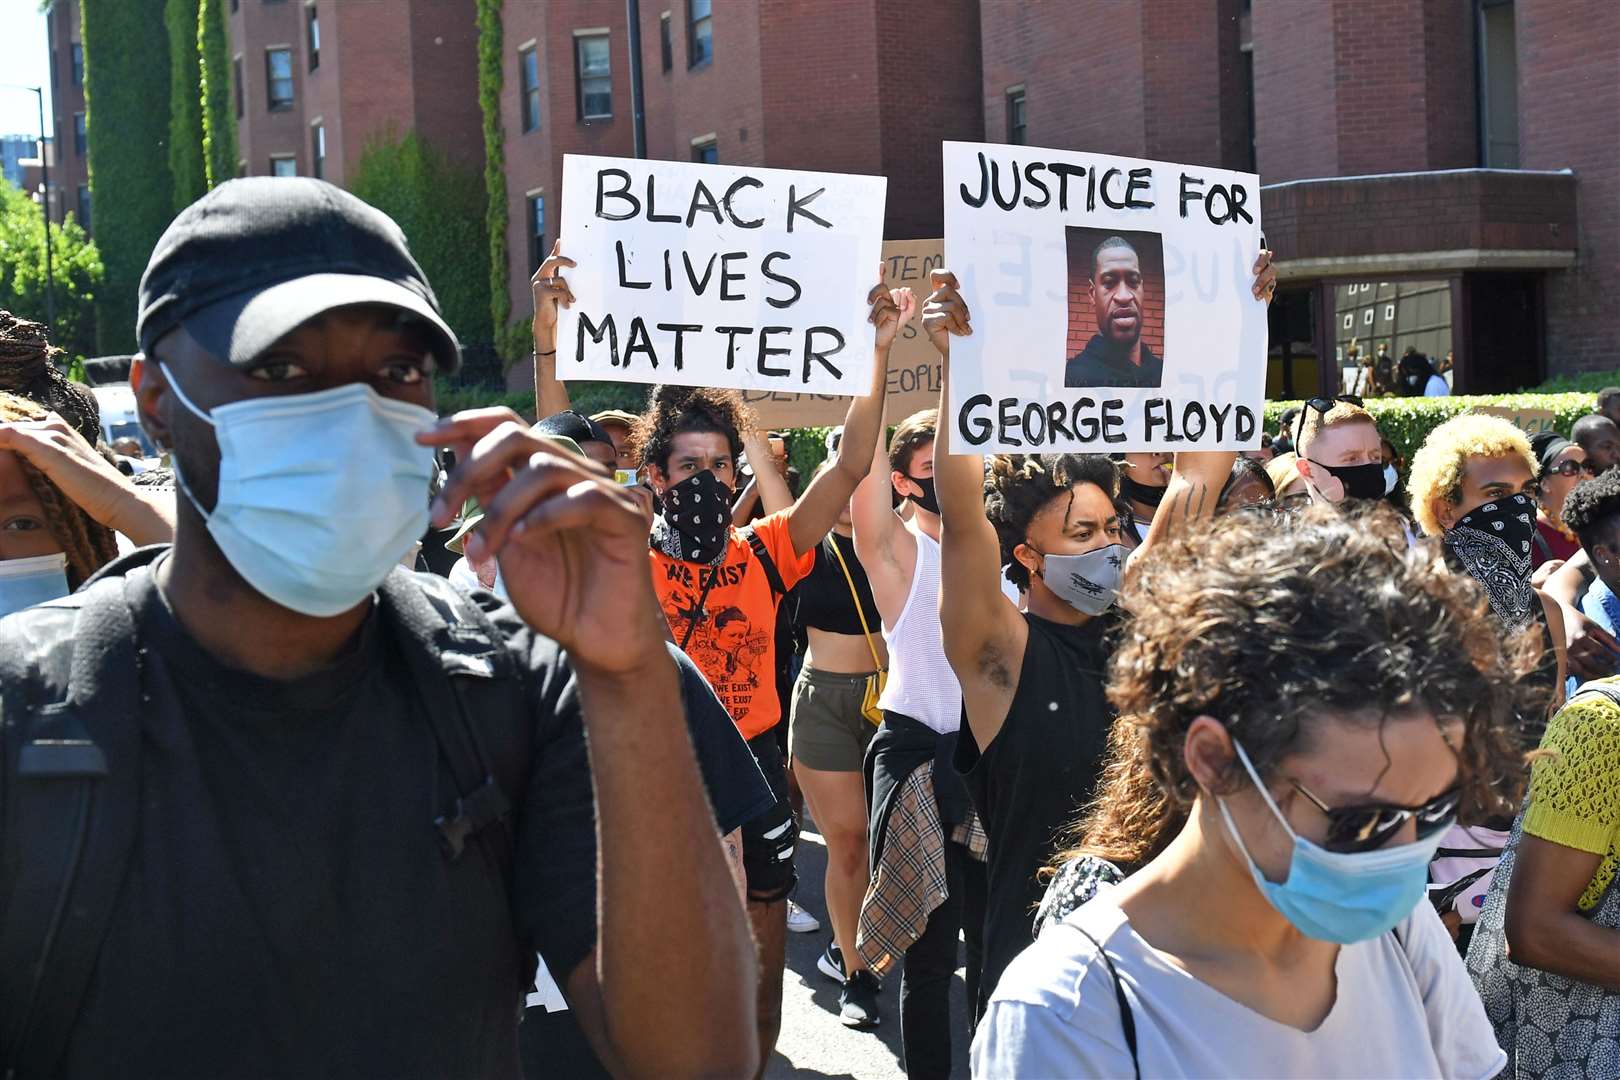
1111,300
714,275
1530,421
914,367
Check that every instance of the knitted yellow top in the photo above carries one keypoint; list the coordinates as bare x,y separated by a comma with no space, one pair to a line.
1575,790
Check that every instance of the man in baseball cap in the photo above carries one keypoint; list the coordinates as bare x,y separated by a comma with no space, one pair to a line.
285,747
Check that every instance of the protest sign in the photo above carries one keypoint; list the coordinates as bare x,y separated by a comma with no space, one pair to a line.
914,365
713,275
1530,421
1111,299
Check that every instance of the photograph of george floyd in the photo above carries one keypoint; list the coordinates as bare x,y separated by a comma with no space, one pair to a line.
1116,308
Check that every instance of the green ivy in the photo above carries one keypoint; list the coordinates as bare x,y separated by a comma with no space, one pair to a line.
1406,422
126,95
185,109
214,90
440,207
76,271
491,76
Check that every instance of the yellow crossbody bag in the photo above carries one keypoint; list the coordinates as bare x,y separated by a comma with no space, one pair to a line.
878,679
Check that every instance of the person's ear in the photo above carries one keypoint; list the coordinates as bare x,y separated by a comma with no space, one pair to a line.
903,485
150,384
658,478
1029,559
1207,753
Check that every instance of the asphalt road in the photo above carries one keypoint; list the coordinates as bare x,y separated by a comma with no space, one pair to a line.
813,1042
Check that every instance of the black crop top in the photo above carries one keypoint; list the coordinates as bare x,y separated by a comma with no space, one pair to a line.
823,599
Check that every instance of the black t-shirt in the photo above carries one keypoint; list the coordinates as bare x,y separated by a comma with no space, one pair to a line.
822,599
1032,781
287,910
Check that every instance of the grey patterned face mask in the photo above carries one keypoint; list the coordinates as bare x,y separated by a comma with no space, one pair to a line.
1493,544
1088,582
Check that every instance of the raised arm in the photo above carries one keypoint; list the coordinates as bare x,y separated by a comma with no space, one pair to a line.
549,289
882,544
774,493
818,508
983,632
90,481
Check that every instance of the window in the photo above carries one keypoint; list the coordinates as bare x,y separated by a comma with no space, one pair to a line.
84,207
317,142
80,134
666,46
236,5
78,64
236,83
706,151
529,72
593,77
278,67
283,165
537,230
1366,317
699,32
313,30
1015,116
1389,312
1349,321
1498,85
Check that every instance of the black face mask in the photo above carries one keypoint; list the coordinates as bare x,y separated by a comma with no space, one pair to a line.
699,510
926,500
1358,481
1494,545
1141,493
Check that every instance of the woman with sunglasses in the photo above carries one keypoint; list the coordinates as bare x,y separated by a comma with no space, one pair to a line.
1281,779
1563,465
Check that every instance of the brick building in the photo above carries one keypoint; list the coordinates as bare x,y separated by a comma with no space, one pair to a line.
1440,174
70,167
858,86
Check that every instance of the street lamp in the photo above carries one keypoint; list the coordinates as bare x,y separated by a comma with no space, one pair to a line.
44,204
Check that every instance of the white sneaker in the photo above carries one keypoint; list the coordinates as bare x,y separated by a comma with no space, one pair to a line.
800,921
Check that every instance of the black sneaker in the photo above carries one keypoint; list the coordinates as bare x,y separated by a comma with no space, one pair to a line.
857,1002
831,963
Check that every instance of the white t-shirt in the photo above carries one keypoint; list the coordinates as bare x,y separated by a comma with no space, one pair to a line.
1400,1012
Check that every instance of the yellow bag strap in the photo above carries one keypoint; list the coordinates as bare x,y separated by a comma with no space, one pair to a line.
855,595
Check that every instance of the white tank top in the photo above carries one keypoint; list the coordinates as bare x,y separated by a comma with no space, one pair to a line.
921,683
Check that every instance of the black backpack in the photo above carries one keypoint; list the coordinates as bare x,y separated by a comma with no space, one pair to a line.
70,774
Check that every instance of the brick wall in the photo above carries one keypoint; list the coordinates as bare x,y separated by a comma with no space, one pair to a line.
444,79
1184,113
1082,245
1295,91
260,133
1568,51
69,168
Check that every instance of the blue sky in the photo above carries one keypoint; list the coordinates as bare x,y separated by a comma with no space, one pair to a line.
22,60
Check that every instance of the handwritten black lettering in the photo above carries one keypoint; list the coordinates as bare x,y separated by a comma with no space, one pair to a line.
796,207
819,356
780,279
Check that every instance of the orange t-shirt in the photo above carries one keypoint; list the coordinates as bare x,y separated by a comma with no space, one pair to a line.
734,642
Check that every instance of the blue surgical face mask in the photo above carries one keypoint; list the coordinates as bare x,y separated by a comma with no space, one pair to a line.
1088,582
320,495
26,582
1338,897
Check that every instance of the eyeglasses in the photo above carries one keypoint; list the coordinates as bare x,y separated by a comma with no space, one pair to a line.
1363,828
1323,405
1575,468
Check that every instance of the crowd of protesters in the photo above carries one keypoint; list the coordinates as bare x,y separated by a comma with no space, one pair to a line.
1297,762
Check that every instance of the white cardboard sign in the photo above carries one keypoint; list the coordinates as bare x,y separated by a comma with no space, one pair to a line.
717,275
1111,300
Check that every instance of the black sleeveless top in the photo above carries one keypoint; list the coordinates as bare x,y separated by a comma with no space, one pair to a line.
823,599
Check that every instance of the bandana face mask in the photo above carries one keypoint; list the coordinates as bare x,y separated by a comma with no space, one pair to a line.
698,513
1493,543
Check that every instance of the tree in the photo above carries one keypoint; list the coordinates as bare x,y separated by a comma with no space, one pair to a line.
185,105
126,96
75,265
491,77
440,206
218,110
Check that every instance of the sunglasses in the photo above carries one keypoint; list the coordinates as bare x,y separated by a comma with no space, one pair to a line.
1575,468
1353,829
1323,405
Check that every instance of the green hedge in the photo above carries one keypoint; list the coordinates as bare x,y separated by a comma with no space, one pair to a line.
214,93
491,76
185,106
1588,382
1406,422
126,95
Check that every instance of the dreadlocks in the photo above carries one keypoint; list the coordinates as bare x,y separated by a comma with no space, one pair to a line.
28,369
88,544
1018,486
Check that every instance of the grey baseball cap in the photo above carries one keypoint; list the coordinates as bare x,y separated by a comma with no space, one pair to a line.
256,258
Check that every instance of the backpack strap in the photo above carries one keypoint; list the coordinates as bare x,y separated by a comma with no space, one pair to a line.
772,574
450,646
1127,1019
73,807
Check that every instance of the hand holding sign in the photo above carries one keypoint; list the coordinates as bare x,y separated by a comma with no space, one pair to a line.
945,313
550,289
891,310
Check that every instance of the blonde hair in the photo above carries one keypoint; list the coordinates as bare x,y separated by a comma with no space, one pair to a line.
1437,470
1283,470
1342,414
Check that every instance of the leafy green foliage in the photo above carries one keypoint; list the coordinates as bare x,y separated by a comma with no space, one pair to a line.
126,94
1588,381
1406,422
75,265
185,108
491,76
214,92
440,206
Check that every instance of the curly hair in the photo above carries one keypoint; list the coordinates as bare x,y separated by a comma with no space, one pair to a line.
911,435
1591,507
88,544
1437,469
675,410
28,369
1273,628
1017,487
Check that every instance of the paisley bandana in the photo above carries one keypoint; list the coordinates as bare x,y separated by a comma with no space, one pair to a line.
697,520
1493,545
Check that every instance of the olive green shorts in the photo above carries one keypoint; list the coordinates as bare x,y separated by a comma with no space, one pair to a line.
827,731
